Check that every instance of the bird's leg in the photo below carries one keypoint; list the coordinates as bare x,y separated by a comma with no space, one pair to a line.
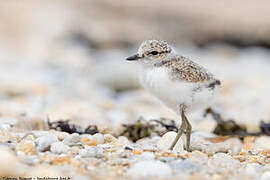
188,130
182,128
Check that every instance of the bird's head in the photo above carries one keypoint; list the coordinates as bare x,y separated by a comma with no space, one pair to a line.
151,51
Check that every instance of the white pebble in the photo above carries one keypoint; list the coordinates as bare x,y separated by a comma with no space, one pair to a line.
223,162
59,148
198,140
263,143
166,141
150,168
72,140
62,135
108,138
235,145
88,136
221,147
43,143
99,138
254,170
123,140
147,156
91,151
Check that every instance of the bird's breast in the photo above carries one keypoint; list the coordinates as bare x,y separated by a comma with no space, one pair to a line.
158,82
155,79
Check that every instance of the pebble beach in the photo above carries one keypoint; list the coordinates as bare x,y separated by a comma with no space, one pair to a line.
71,107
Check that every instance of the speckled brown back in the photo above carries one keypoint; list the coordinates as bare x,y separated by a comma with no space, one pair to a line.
183,69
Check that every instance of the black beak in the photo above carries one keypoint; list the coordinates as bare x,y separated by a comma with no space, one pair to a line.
133,58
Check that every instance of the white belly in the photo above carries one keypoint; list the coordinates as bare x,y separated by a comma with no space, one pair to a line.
173,93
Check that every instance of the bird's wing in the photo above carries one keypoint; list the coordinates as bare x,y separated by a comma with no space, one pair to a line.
183,69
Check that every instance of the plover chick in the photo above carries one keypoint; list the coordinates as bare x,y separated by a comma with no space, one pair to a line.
178,82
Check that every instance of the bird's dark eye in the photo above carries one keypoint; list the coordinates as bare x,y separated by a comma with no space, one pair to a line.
154,52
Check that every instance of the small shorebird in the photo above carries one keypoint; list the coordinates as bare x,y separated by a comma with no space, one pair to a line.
178,82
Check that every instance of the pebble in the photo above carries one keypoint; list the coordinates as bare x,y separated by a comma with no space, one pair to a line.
123,140
41,133
62,135
128,147
147,156
99,138
72,140
92,140
91,151
217,148
253,169
27,147
235,146
185,166
263,143
223,162
108,138
149,143
43,143
167,139
198,157
198,140
88,140
152,168
75,150
59,148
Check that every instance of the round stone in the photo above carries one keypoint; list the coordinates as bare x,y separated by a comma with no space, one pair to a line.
59,148
152,168
43,143
166,141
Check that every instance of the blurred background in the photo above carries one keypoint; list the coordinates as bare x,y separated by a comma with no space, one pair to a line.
65,60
